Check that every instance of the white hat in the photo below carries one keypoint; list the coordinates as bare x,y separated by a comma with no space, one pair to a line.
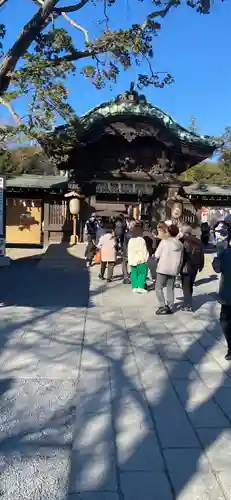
168,223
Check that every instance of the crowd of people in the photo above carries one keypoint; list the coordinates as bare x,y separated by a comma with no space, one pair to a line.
168,253
165,254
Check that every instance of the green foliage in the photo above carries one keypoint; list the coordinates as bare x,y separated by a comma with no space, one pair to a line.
225,148
44,55
209,173
24,160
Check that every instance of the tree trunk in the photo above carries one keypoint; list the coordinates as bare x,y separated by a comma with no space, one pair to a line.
23,42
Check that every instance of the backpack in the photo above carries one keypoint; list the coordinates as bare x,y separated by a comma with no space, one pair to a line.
193,257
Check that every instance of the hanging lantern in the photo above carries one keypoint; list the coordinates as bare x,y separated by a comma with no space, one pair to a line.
74,206
176,210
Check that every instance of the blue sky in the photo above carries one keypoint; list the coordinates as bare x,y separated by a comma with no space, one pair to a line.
195,49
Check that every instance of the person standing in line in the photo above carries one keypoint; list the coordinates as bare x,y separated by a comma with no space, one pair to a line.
222,232
151,247
120,227
107,246
162,231
169,255
193,261
127,236
222,264
137,259
205,231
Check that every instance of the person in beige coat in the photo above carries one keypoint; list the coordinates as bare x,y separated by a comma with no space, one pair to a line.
107,246
169,256
137,259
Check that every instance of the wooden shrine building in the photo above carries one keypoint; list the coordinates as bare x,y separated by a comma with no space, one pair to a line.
122,156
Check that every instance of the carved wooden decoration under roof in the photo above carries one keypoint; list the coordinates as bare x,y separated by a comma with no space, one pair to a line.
113,157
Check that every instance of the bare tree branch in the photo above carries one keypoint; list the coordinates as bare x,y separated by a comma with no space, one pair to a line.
162,13
2,2
77,26
24,40
105,13
38,2
71,8
12,111
75,56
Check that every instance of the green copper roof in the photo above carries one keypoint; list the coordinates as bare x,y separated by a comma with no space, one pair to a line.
131,104
128,105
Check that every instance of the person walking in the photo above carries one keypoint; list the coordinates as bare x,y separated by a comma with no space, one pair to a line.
90,251
169,255
91,227
193,261
137,259
107,246
222,264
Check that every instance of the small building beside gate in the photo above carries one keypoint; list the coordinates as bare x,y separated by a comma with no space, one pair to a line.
211,202
36,210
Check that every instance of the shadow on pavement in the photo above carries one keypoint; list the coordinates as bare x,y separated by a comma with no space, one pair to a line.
63,435
208,279
199,300
55,280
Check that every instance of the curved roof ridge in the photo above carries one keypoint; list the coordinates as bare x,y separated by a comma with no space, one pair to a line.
139,106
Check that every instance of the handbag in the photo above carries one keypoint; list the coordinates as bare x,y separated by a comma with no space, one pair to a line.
97,258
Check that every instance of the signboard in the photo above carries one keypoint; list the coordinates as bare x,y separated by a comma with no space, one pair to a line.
204,214
123,188
2,215
73,186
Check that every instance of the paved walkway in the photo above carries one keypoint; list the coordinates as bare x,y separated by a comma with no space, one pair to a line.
110,402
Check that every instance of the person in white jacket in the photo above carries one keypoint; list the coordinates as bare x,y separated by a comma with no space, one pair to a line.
169,255
137,259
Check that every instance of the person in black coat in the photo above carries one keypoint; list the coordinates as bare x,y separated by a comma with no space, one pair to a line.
126,276
119,230
193,261
90,251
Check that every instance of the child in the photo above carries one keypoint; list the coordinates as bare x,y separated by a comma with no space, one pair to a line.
222,264
107,246
137,259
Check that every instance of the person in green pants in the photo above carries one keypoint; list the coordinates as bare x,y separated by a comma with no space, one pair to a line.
137,259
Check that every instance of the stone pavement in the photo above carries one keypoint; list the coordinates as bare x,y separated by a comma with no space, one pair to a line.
102,400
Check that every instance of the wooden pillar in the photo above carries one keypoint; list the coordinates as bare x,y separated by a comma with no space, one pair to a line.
46,224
